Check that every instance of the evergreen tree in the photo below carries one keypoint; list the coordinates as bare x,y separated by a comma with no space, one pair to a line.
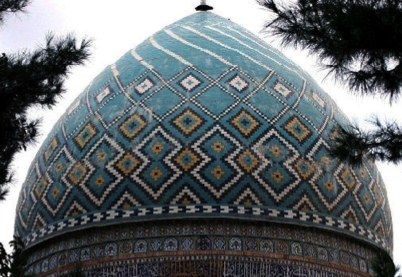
14,264
383,266
30,79
11,6
360,43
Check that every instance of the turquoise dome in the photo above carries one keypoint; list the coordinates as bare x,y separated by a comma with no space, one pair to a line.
201,120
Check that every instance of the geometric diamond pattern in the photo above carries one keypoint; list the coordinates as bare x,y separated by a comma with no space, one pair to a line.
217,170
187,122
245,123
144,86
247,160
86,134
57,186
187,159
101,180
297,129
127,164
282,89
275,172
201,118
133,125
329,189
238,83
190,82
157,171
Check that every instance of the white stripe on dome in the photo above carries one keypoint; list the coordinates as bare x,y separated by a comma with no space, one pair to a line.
116,74
173,35
170,53
227,47
141,60
262,44
250,36
256,50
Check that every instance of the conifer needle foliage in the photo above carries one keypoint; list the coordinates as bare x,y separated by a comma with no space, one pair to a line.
31,79
360,43
383,266
14,264
384,143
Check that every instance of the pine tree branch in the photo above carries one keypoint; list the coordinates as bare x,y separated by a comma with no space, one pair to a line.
12,6
14,264
359,41
354,145
31,79
383,266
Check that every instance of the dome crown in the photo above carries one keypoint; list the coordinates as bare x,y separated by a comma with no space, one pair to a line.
203,119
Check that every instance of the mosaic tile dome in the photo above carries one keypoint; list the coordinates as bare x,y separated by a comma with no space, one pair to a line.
202,121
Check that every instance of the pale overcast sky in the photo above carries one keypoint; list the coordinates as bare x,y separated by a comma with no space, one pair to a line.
118,26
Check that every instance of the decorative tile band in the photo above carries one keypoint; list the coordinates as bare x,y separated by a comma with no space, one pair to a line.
208,265
257,213
213,238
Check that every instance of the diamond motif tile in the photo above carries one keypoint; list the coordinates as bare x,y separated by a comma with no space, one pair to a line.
133,125
77,173
51,148
55,194
54,187
326,186
102,175
217,170
219,173
247,160
187,159
366,198
305,168
144,86
275,173
347,178
245,123
218,145
158,170
156,175
238,83
190,82
101,154
282,89
99,182
297,129
127,164
188,122
85,135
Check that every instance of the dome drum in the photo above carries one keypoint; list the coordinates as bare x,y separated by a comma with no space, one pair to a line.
204,248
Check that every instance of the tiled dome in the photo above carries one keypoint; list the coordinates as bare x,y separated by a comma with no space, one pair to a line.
202,120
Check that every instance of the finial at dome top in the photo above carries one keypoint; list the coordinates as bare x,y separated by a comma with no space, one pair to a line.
203,6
